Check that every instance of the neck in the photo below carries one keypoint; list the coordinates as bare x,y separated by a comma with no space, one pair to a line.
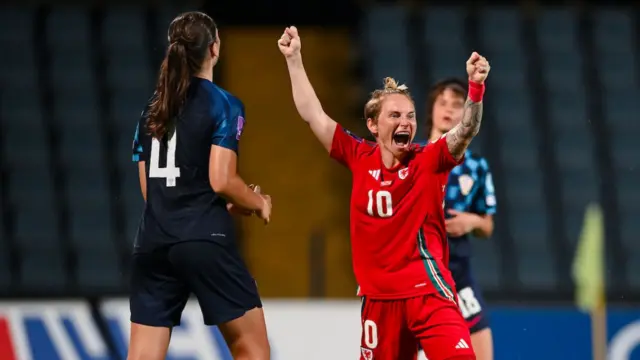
205,74
435,135
389,160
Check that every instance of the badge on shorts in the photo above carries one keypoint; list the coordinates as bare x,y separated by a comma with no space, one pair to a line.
367,354
239,127
466,183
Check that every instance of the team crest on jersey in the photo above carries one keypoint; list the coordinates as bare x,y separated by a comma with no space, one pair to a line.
367,354
402,174
240,127
466,183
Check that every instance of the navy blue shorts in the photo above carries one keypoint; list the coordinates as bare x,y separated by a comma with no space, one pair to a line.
470,300
163,280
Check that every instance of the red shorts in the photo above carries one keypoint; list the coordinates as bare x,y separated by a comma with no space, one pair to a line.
393,329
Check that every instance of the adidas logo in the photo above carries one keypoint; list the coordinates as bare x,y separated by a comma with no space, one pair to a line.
462,344
375,174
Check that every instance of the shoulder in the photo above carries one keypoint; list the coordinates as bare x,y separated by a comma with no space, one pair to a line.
475,161
364,146
233,101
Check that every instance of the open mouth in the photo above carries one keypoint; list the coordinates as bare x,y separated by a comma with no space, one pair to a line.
402,138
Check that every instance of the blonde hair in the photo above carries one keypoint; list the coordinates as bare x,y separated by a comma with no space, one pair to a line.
374,105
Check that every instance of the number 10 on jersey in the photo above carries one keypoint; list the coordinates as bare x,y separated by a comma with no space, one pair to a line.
170,172
383,204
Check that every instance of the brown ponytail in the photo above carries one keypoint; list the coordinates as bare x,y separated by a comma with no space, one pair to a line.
190,35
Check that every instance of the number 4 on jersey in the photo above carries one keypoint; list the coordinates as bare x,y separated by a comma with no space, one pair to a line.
384,205
170,172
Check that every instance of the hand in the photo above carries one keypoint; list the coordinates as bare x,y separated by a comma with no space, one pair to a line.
478,68
289,43
461,223
237,210
265,212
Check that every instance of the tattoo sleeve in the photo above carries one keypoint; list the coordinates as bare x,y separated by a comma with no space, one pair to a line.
459,138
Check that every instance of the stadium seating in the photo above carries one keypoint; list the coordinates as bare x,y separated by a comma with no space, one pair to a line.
76,79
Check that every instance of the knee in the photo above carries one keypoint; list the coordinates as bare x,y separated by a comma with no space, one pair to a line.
246,349
145,355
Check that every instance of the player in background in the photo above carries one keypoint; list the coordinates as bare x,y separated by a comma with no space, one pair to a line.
398,237
186,146
470,204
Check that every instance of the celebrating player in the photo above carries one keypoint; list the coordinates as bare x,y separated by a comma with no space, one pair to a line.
398,236
470,203
186,145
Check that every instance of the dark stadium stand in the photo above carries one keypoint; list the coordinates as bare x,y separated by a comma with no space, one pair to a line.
561,130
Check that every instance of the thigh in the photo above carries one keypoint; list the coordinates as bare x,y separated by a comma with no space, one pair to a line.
157,296
439,327
385,335
218,277
471,303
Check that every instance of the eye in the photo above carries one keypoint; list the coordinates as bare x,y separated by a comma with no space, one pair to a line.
411,115
394,114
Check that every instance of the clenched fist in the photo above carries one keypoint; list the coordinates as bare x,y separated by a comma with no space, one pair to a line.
289,43
478,68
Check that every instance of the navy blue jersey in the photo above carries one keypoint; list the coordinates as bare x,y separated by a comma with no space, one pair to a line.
181,205
469,189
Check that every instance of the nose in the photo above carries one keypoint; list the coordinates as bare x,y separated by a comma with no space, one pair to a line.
405,123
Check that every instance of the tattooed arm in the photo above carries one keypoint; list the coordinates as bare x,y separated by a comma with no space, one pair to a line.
459,138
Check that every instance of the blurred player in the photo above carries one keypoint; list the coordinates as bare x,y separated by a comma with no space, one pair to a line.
398,238
470,203
186,145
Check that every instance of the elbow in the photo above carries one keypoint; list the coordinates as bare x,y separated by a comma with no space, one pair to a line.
484,230
219,184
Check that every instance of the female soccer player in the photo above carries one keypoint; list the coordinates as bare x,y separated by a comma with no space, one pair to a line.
470,203
398,237
186,146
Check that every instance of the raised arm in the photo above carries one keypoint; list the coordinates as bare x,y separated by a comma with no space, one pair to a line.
459,138
305,98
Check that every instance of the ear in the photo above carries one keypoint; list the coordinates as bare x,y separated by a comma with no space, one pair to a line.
214,50
372,125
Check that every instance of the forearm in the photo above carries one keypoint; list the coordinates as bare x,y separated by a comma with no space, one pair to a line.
459,138
483,226
308,104
236,191
305,98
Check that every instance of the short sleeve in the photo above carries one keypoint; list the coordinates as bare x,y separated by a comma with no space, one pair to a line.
440,157
139,153
484,203
345,146
228,128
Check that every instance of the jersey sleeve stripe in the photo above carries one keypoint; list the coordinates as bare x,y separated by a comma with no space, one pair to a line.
432,269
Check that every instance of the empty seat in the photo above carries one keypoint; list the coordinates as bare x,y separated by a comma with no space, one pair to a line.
388,45
131,200
5,254
126,108
536,268
620,106
24,141
124,28
445,41
502,43
486,263
615,45
557,39
68,27
72,71
99,270
43,270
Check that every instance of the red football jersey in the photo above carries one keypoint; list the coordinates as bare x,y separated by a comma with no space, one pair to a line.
398,239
